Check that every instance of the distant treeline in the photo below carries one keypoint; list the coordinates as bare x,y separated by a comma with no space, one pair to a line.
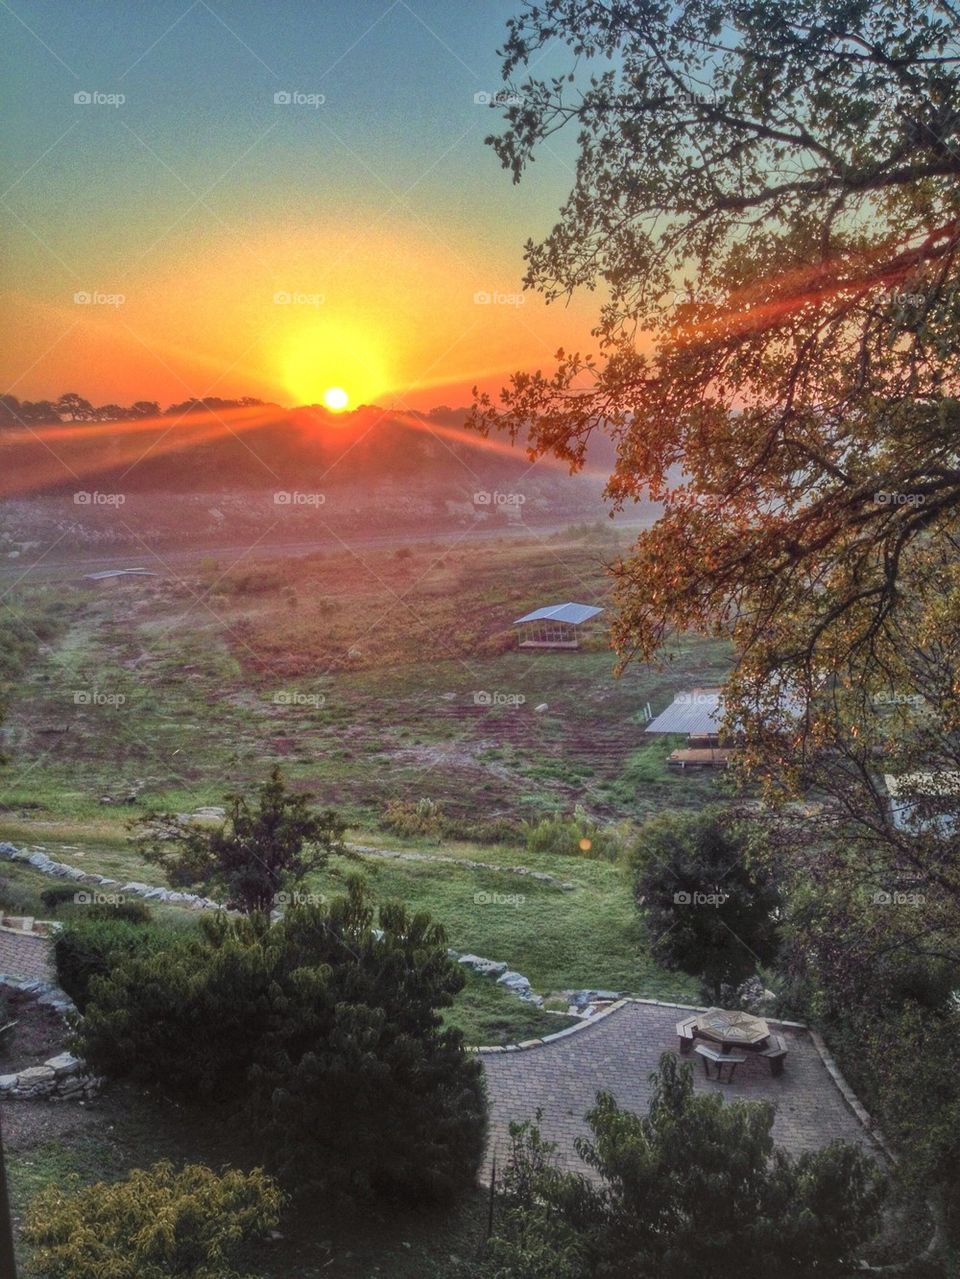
71,407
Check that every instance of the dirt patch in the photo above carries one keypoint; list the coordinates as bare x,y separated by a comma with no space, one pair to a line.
38,1035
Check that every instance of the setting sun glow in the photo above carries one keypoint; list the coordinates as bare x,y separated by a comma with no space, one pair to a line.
336,398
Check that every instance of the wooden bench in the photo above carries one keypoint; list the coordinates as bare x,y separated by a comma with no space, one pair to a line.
776,1053
686,1033
719,1059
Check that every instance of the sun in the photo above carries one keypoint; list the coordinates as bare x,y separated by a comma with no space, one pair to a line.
336,399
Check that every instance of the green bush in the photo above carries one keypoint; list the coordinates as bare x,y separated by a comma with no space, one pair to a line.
575,836
153,1224
18,899
88,948
133,912
484,830
411,819
58,895
320,1034
692,1188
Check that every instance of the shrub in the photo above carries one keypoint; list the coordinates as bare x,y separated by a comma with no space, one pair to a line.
92,948
132,912
261,848
484,830
692,1188
153,1224
58,895
575,836
18,899
320,1033
411,819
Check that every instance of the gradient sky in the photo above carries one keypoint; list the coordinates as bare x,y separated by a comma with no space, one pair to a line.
199,200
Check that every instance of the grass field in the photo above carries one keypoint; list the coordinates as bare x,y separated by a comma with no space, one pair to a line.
167,692
359,678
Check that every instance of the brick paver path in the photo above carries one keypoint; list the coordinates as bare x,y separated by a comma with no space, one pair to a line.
619,1053
25,955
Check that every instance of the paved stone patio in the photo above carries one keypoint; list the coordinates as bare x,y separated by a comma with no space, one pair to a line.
620,1051
25,955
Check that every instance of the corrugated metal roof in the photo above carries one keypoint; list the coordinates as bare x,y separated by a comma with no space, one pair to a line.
699,712
572,613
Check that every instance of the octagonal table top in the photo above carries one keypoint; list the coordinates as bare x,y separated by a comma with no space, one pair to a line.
731,1027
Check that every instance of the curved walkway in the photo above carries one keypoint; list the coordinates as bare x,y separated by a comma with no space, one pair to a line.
617,1052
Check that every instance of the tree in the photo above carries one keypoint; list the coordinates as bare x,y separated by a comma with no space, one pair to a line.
319,1035
257,853
693,1187
76,408
154,1223
144,408
710,912
800,165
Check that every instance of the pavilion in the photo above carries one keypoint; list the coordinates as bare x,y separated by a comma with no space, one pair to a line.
555,626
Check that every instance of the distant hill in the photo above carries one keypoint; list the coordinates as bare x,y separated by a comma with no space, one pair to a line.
258,446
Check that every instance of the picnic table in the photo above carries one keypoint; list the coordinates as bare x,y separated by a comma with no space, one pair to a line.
730,1028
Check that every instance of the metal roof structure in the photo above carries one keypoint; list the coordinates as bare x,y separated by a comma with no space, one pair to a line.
914,800
699,712
573,614
119,572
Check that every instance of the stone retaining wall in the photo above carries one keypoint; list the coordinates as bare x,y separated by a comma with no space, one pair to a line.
60,1078
110,887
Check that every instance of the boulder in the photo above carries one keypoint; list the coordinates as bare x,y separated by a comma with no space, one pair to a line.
64,1064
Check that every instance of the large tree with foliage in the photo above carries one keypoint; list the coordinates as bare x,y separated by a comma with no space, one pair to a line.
770,193
259,850
766,198
710,911
694,1187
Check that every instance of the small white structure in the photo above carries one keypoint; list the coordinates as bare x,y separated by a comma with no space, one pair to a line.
925,802
555,626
